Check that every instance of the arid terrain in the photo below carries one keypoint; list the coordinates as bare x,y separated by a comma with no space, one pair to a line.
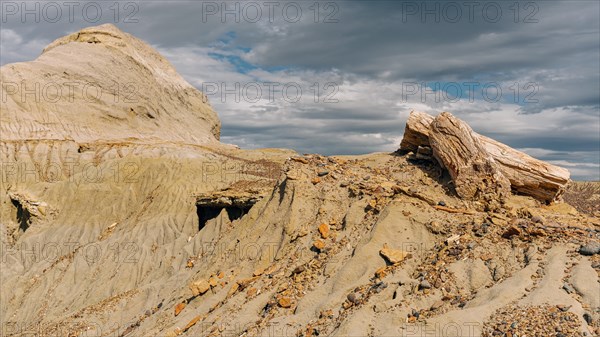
123,214
584,196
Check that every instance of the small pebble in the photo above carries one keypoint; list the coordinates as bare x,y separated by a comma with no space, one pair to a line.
590,249
424,285
353,298
567,287
323,173
537,219
441,203
588,318
437,305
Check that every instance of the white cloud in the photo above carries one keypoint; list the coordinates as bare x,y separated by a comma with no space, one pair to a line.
15,48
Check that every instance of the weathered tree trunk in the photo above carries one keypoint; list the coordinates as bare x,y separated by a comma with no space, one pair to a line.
526,174
416,132
475,173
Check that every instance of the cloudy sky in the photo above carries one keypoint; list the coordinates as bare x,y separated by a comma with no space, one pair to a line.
340,77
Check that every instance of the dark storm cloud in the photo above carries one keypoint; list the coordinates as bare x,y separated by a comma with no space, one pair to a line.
372,52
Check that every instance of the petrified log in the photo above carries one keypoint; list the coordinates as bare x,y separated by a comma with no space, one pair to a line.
416,132
527,175
457,148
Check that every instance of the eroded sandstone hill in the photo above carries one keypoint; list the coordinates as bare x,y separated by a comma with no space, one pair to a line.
103,84
120,222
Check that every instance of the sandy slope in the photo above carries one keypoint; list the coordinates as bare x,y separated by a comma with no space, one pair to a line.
111,246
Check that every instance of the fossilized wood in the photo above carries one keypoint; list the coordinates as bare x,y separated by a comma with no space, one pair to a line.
454,210
474,172
527,175
416,132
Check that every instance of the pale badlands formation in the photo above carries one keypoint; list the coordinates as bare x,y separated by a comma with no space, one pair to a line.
122,214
